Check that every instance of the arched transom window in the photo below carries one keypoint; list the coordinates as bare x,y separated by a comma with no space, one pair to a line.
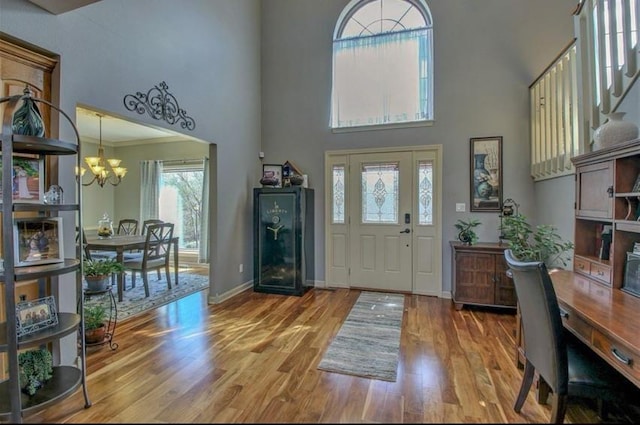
382,64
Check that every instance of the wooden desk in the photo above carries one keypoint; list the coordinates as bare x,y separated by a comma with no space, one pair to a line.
607,320
121,243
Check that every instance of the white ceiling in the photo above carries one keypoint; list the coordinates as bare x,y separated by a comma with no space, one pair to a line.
116,130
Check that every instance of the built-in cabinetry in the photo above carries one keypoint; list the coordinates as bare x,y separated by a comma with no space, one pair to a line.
283,240
479,275
49,278
606,199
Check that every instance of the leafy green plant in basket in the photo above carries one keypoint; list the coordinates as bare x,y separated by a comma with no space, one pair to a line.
36,367
97,272
540,244
94,326
466,233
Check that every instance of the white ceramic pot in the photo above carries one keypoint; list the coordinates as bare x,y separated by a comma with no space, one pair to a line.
615,130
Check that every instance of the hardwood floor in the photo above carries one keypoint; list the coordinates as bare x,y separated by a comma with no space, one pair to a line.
253,359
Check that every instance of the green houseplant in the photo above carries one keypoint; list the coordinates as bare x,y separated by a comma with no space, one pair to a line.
466,233
94,327
97,272
540,244
36,367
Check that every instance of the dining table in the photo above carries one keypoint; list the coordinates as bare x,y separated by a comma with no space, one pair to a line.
121,243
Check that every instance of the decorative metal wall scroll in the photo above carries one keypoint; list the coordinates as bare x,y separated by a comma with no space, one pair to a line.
161,105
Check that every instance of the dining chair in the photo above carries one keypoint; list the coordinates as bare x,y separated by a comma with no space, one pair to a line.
154,256
145,225
149,222
568,366
128,226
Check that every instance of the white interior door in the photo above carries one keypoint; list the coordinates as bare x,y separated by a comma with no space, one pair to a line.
381,218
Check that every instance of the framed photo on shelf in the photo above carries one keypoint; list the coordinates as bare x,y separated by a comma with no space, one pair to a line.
35,315
486,174
28,179
273,171
38,240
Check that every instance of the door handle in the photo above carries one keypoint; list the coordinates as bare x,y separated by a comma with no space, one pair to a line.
407,230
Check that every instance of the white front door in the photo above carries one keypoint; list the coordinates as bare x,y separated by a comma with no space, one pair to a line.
380,227
383,227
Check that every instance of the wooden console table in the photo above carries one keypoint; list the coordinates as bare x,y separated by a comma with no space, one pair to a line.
605,319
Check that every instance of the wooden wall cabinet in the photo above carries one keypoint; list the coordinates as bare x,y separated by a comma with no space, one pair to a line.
479,276
605,198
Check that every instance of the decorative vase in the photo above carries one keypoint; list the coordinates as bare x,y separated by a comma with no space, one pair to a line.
615,130
105,227
464,237
27,119
481,177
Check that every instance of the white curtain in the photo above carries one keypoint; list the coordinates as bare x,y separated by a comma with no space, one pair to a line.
382,79
150,183
203,251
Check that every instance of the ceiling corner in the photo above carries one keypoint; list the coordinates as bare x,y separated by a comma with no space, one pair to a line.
58,7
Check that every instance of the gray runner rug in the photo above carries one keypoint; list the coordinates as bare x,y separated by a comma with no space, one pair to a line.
368,343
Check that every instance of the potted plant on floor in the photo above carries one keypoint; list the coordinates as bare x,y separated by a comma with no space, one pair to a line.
36,367
94,326
97,272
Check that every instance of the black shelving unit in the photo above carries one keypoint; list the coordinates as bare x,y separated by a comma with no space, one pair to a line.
14,404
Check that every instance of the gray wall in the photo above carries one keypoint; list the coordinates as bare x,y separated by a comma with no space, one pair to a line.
256,75
208,52
486,54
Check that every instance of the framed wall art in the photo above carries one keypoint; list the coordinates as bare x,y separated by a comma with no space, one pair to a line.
28,179
486,174
273,171
35,315
38,240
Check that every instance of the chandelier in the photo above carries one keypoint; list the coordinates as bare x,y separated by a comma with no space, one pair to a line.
97,166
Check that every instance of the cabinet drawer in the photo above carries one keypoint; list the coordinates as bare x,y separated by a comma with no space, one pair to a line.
581,265
601,272
573,322
619,355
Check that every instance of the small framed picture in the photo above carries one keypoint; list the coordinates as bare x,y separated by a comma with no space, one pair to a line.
28,179
34,315
38,240
273,171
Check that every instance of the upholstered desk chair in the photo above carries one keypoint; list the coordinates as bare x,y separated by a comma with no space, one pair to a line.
568,366
128,226
154,256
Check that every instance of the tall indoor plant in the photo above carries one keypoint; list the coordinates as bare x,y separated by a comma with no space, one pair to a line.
541,243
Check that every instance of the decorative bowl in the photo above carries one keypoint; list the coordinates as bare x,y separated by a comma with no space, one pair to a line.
296,180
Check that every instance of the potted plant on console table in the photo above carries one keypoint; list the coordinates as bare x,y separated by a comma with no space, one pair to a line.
97,273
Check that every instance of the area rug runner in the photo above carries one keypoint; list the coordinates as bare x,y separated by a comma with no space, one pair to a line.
134,302
368,343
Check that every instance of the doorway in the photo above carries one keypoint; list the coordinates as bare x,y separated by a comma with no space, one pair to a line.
383,219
